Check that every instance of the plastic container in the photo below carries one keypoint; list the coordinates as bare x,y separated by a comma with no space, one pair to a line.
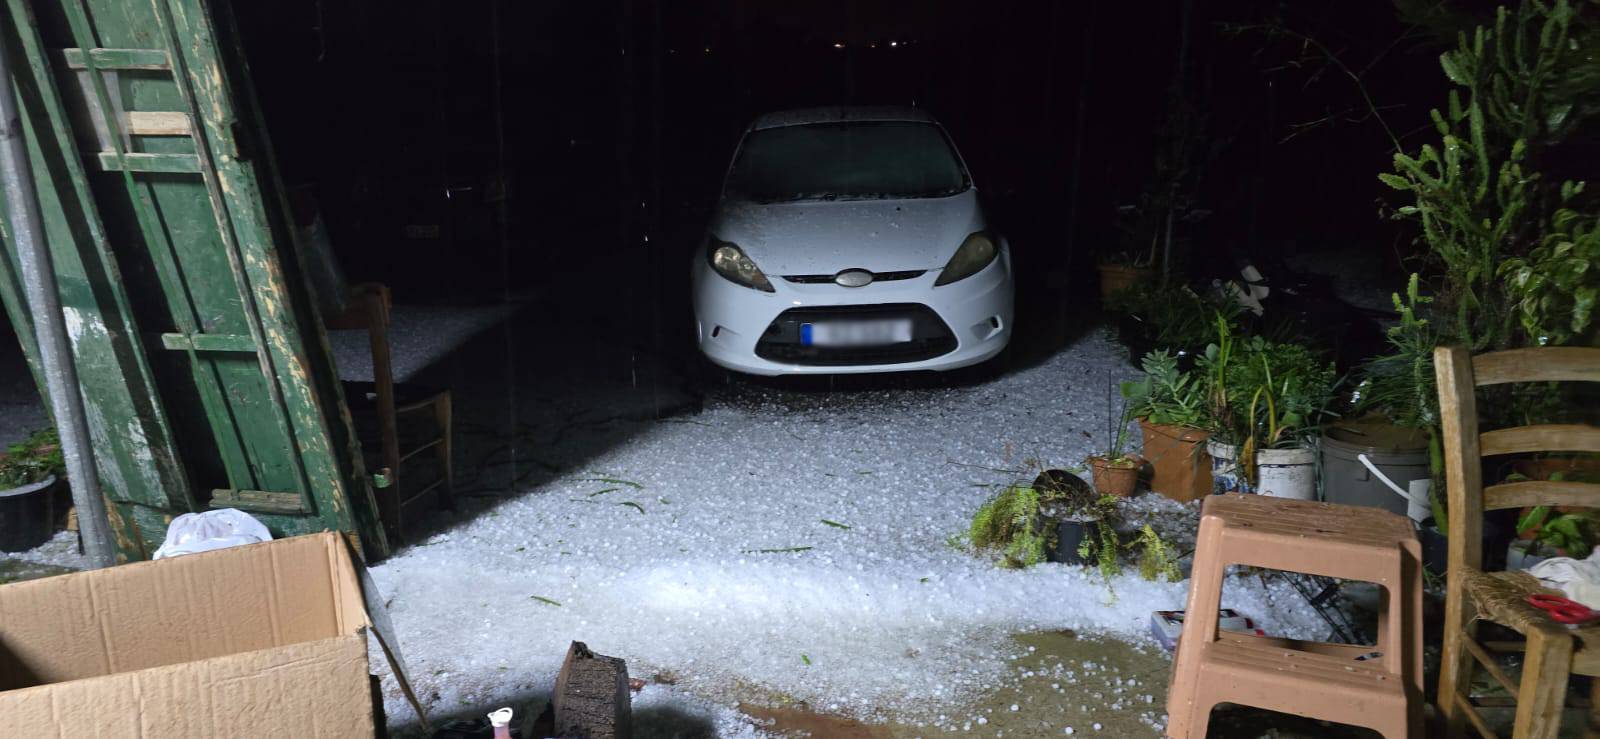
1178,456
27,515
1401,454
1069,536
1287,473
1225,474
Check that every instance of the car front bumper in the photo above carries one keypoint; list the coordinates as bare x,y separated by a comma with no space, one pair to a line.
749,331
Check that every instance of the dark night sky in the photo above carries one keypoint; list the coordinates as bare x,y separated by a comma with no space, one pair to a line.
606,105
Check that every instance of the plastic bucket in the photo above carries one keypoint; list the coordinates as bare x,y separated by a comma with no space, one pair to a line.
1178,456
1287,473
27,515
1225,474
1401,454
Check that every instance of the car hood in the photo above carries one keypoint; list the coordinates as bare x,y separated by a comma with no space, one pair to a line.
820,237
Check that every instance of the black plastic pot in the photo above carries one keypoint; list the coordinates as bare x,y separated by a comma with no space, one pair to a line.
27,515
1435,548
1498,531
1069,535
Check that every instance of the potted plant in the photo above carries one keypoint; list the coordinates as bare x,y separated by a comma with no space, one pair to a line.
1265,401
28,473
1060,518
1116,470
1395,408
1170,406
1544,532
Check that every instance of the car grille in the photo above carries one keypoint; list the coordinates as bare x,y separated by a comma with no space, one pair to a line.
930,337
876,277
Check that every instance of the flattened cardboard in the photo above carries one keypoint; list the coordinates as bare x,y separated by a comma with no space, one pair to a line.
261,640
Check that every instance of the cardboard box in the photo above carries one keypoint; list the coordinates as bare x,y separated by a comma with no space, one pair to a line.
255,641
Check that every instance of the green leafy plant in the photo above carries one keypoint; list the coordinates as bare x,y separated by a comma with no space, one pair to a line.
31,460
1569,533
1510,245
1400,385
1012,522
1173,318
1166,395
1555,286
1020,522
1157,558
1116,452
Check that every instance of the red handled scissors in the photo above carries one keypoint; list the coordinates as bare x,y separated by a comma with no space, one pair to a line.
1564,610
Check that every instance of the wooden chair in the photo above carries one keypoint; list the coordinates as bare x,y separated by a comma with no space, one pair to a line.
391,446
1552,650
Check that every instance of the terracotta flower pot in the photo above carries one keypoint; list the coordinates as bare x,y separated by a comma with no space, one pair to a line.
1115,278
1115,479
1182,468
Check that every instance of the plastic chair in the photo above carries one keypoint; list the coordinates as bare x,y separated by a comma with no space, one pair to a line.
1553,651
1378,686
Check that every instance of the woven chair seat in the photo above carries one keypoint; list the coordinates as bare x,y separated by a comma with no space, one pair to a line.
1502,597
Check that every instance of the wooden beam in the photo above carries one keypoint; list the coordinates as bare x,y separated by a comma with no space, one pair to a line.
110,161
209,342
109,59
1542,364
158,123
1551,437
1541,492
258,500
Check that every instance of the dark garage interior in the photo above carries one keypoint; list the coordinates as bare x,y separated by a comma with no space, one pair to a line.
506,254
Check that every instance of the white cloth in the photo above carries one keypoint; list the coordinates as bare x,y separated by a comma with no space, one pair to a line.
1578,578
218,529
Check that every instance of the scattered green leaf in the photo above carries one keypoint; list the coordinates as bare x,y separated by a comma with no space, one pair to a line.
545,600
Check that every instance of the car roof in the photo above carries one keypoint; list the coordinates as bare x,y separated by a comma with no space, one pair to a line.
840,113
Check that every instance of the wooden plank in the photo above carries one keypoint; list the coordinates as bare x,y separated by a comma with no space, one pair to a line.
591,697
1462,706
1542,364
1541,492
147,59
158,123
1463,467
208,343
141,469
252,217
1544,683
217,407
1487,660
258,500
1552,437
111,161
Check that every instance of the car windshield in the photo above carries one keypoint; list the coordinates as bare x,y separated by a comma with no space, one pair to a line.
852,161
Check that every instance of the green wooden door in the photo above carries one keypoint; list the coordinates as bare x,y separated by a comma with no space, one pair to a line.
166,217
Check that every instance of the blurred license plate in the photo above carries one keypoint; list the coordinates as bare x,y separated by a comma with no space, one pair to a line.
856,333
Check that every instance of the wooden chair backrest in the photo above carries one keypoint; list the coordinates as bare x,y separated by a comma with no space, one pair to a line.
369,309
1460,374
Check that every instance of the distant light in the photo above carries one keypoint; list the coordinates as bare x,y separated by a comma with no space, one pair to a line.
708,50
838,44
894,43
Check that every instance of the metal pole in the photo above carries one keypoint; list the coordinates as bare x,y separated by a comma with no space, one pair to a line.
55,354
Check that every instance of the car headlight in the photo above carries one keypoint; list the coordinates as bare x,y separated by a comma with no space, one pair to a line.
975,254
730,262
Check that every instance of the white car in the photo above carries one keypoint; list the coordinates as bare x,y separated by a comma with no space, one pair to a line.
850,240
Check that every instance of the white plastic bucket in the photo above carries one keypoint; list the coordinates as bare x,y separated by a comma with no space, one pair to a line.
1225,476
1287,473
